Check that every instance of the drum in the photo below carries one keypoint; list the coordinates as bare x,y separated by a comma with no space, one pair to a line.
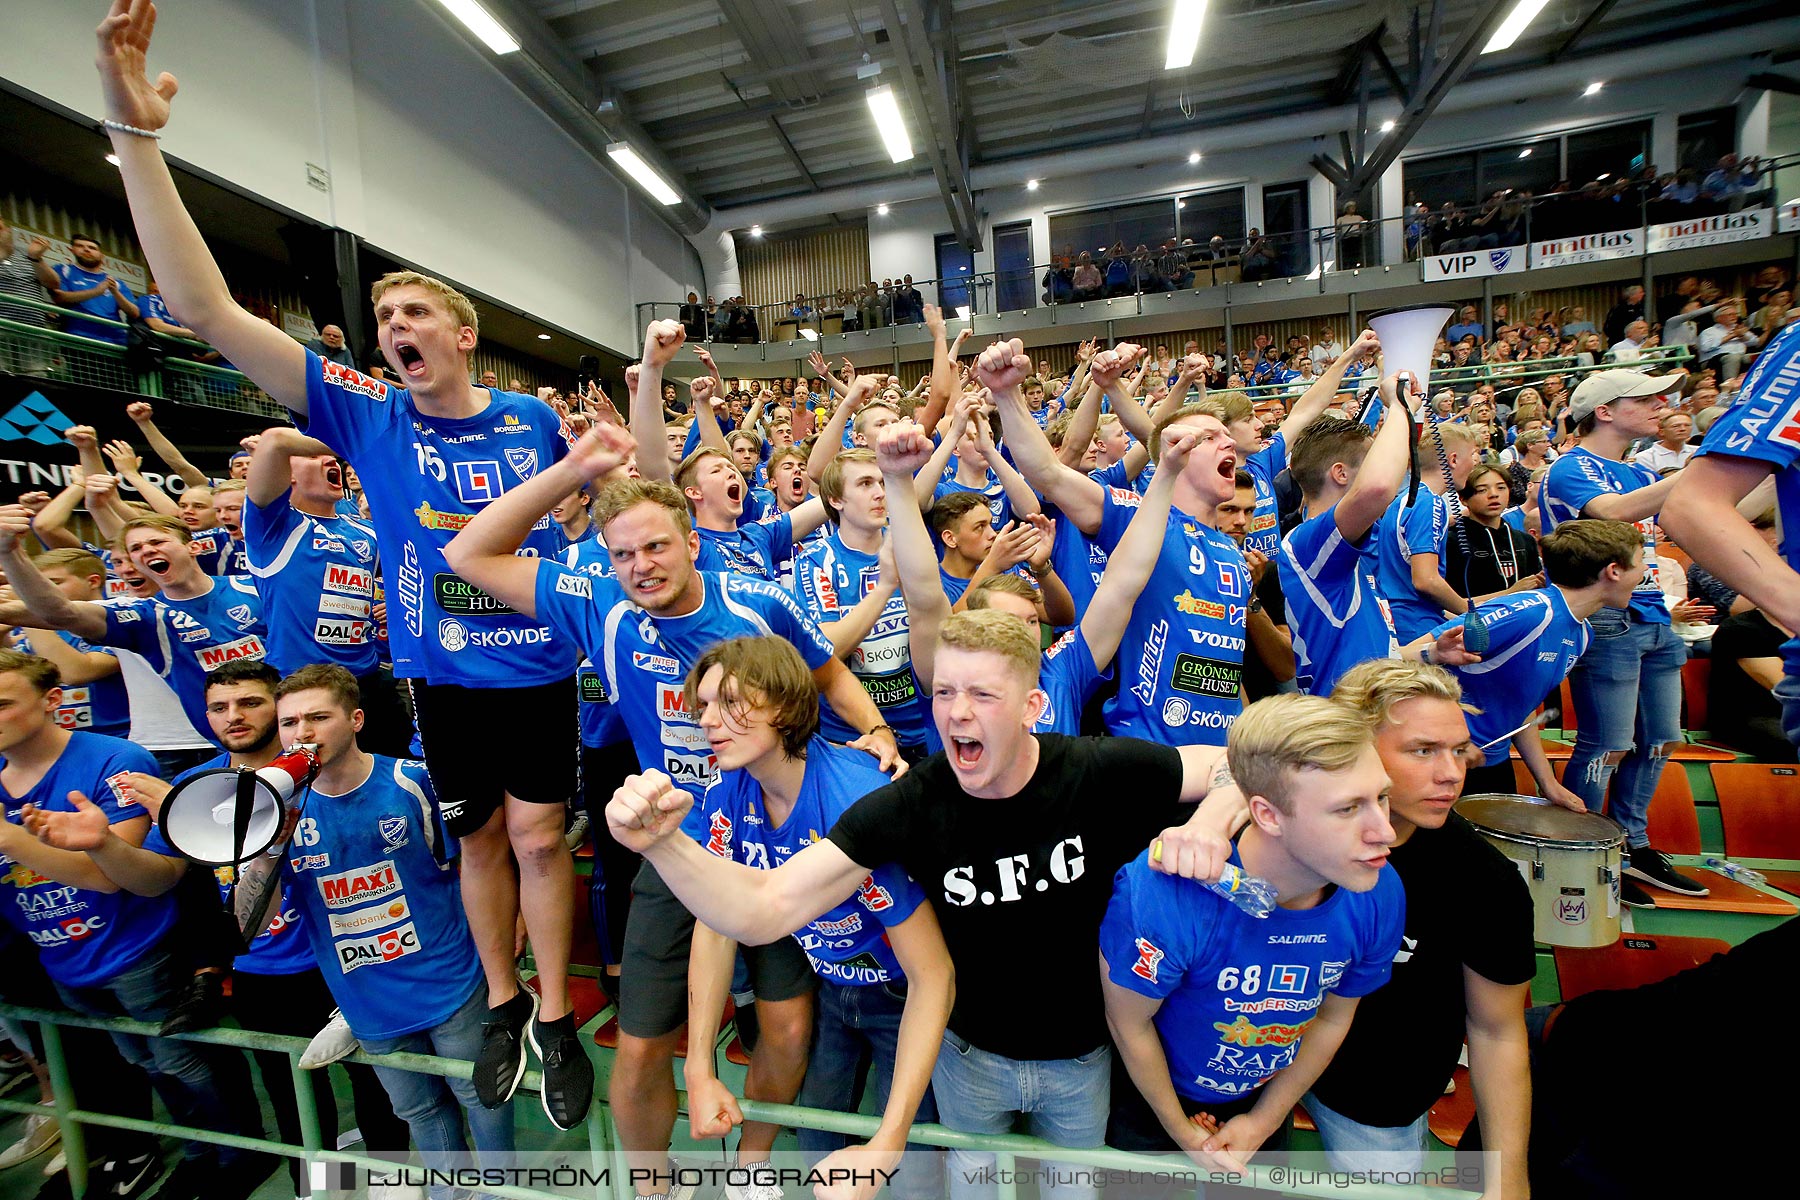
1570,861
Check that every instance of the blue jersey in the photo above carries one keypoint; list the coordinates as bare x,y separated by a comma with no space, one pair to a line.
218,553
601,724
383,914
755,551
317,577
1114,476
1187,630
280,949
846,944
182,640
99,706
77,279
991,492
1338,616
759,505
1237,992
830,579
1574,479
1403,531
1265,520
84,937
1533,642
1764,425
644,660
425,477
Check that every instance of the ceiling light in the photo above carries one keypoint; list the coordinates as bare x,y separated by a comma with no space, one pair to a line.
1184,33
886,109
1181,204
543,337
1593,89
881,210
113,159
478,21
1031,185
642,173
1514,25
1525,153
1193,158
756,231
1387,127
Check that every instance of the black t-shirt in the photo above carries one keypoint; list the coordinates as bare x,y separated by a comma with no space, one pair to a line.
1740,711
1466,905
1498,558
1020,885
1259,681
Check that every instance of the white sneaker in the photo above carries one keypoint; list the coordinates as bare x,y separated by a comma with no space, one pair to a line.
577,832
331,1043
42,1133
762,1185
56,1166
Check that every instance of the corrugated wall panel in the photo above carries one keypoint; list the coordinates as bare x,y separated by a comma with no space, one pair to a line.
817,263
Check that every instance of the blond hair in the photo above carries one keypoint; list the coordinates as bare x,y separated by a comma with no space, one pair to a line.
229,485
461,307
169,525
1278,739
831,481
1374,688
77,562
1451,437
622,495
976,598
992,632
1204,407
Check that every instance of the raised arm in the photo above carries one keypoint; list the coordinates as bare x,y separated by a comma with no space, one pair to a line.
271,468
1382,472
486,551
51,522
1084,423
925,483
102,498
830,440
172,245
140,414
900,452
847,632
1024,501
41,605
1129,566
75,666
943,377
661,341
1000,369
1316,399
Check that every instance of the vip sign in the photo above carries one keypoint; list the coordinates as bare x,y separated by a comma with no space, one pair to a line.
1475,264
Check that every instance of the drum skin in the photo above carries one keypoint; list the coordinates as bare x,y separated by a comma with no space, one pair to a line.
1572,863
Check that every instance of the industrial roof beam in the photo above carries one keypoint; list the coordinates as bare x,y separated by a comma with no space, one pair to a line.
1594,17
943,145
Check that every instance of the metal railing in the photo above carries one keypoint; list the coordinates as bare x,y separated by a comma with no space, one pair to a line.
605,1154
1523,226
160,366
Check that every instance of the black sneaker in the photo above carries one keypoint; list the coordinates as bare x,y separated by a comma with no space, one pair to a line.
191,1179
568,1075
202,1005
123,1178
501,1063
1633,896
1654,868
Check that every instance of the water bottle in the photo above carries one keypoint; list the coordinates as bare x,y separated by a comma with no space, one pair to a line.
1249,893
1731,870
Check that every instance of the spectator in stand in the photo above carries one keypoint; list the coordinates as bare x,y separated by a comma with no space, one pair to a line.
1326,349
1059,281
1774,312
1724,344
329,345
1576,323
490,379
1087,281
1468,324
85,285
1730,179
873,312
1630,347
1259,256
1670,451
24,273
909,303
1350,236
1143,270
1620,316
1746,665
1118,270
1172,271
693,318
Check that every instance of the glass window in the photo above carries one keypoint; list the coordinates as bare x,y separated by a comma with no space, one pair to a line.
1616,150
1703,138
1012,266
1203,214
954,263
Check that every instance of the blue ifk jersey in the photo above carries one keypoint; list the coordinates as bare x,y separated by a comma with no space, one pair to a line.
1265,519
1533,642
183,640
644,660
601,724
317,579
1186,631
1237,992
99,706
1338,616
425,478
384,914
1764,425
830,579
84,937
847,944
1403,531
1573,481
218,553
755,551
991,492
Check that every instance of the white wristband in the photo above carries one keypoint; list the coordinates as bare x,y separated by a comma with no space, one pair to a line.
133,130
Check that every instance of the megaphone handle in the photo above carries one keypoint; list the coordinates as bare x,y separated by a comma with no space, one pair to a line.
240,818
1475,639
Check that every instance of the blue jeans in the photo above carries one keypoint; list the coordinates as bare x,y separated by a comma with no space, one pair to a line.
1064,1100
203,1086
1788,691
1353,1146
1627,691
428,1103
856,1028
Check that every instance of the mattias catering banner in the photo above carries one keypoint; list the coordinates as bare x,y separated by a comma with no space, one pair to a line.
35,412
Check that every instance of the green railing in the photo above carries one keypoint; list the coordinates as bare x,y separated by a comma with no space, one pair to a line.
39,350
605,1154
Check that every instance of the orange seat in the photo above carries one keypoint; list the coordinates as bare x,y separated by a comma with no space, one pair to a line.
1696,675
1450,1116
585,997
1630,962
1787,881
607,1036
1674,828
1568,705
1674,553
584,944
1759,805
1522,778
1303,1119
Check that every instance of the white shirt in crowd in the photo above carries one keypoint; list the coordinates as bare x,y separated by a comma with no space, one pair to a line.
1660,458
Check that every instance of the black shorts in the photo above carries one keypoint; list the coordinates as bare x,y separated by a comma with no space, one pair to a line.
653,980
483,744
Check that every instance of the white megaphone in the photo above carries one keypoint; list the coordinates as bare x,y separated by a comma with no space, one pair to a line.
233,814
1409,339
